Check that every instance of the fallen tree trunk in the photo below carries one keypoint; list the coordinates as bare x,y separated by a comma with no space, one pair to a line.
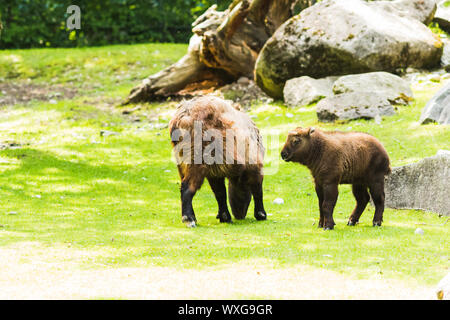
224,47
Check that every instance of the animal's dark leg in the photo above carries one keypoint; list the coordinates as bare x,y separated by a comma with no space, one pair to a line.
319,192
362,198
239,196
189,187
376,189
330,195
257,192
187,211
218,187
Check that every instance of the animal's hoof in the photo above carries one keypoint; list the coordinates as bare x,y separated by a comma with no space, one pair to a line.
189,221
260,215
224,217
352,223
190,224
328,228
377,223
226,220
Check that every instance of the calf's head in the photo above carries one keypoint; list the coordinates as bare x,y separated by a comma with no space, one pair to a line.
297,144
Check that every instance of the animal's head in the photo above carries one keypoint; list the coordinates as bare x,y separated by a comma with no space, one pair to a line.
297,144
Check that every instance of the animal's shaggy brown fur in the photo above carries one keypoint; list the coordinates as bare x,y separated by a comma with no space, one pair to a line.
341,158
245,171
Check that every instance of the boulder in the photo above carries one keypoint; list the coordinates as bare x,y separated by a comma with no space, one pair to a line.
423,185
306,90
354,105
336,37
392,87
442,16
438,108
367,95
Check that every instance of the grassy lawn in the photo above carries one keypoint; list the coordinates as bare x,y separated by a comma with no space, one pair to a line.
66,185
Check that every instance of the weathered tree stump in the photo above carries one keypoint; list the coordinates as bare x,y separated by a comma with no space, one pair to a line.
224,47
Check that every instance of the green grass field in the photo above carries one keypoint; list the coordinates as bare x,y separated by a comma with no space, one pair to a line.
119,195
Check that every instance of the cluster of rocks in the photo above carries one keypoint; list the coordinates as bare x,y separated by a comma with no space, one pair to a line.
368,95
336,37
421,79
345,54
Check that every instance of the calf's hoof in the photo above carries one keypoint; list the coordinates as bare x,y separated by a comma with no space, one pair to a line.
260,215
224,217
326,228
352,223
377,223
189,221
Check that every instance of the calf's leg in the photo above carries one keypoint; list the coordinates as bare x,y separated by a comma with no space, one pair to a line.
362,198
218,187
319,192
376,189
330,195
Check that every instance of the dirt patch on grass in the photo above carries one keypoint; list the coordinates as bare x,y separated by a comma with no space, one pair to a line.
30,271
10,145
24,92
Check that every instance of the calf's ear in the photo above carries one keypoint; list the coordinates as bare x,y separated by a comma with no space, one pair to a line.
311,130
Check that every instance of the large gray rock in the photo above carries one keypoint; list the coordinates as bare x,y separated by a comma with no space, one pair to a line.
354,105
438,108
423,185
335,37
306,90
442,16
392,87
366,95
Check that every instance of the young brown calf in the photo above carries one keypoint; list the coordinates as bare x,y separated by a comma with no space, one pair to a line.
341,158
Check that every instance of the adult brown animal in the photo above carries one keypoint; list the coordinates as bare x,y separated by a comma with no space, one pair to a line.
213,140
341,158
